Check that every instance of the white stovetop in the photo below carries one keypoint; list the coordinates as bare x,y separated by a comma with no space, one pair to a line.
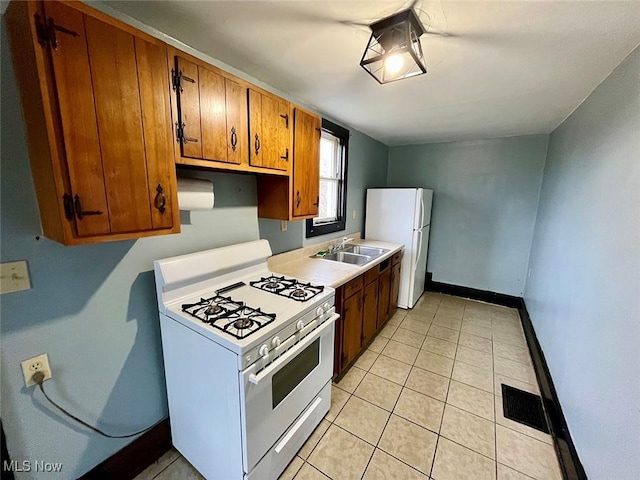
286,310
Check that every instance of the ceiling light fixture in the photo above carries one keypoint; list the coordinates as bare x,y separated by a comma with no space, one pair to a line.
394,51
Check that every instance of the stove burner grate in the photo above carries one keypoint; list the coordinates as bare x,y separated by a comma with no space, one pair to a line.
288,287
230,316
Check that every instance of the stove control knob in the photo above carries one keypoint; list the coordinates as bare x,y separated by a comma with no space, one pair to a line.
300,325
319,311
275,343
264,350
326,306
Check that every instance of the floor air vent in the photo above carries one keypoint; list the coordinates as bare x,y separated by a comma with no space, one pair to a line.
524,407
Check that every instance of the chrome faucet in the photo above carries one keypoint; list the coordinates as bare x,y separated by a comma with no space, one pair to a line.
339,246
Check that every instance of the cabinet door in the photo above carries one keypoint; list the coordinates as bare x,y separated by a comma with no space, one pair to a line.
275,133
76,103
383,296
352,328
106,91
268,131
188,94
236,134
306,163
395,289
370,313
156,119
256,157
213,118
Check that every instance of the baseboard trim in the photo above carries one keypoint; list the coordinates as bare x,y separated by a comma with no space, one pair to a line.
475,294
570,463
569,460
127,463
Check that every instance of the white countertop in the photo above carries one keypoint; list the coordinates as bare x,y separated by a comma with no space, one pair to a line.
299,264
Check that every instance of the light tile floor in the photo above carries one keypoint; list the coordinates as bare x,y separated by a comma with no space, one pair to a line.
424,401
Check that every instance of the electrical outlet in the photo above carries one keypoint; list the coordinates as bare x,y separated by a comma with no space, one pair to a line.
33,365
283,225
14,277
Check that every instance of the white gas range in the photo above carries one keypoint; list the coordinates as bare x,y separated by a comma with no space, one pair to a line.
248,357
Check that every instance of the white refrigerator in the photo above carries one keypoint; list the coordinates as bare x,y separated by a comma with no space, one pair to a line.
403,215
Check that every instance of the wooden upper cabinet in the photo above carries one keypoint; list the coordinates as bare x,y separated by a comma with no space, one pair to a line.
269,132
295,197
306,163
210,123
100,93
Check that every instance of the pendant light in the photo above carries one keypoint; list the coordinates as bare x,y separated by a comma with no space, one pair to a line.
394,51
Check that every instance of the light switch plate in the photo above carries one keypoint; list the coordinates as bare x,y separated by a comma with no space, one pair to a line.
354,215
283,225
14,277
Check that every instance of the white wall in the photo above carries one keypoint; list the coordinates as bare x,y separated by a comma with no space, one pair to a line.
484,206
584,292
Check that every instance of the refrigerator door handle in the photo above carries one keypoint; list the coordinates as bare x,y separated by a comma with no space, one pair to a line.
419,249
422,212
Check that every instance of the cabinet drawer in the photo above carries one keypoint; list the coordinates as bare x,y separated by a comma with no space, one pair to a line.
371,275
396,257
354,286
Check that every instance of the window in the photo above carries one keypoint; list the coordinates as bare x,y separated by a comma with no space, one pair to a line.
334,143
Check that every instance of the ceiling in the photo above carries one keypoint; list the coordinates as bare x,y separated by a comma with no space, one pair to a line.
495,69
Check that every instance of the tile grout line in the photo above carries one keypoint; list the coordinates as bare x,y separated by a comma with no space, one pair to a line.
435,451
388,419
170,463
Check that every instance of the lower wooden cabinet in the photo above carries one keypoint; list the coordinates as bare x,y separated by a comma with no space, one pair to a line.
352,324
384,300
364,304
395,289
370,312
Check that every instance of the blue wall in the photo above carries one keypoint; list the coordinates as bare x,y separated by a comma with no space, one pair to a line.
584,290
367,169
484,206
92,309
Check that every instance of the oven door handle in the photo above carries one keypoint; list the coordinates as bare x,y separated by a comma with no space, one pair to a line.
293,351
301,421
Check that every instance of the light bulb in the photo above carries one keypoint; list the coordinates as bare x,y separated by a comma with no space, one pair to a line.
393,63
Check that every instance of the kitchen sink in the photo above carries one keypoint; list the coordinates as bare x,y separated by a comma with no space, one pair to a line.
365,250
347,257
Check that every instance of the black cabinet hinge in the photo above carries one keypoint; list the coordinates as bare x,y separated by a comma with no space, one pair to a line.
181,137
177,77
46,30
73,208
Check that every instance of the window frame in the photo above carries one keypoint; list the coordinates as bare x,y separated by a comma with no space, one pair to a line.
340,224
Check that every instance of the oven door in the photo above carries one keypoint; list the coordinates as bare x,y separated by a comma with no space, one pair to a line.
273,398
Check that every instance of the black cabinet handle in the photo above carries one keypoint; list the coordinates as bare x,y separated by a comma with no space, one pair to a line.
317,202
160,202
257,144
286,120
286,155
234,139
298,199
